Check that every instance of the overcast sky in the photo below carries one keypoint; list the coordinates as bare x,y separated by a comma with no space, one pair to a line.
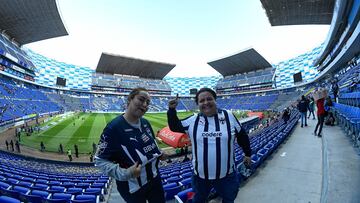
188,33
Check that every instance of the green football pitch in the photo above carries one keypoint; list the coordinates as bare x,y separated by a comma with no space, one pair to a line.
82,129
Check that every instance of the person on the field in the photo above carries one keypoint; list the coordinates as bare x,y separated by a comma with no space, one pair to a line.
76,150
12,145
212,133
17,145
69,154
7,145
61,149
42,146
127,151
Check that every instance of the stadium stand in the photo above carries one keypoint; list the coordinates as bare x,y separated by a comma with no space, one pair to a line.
35,180
262,87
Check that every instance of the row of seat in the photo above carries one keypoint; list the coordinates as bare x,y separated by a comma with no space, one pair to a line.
349,119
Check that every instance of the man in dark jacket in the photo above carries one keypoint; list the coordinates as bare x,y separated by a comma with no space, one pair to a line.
302,107
286,115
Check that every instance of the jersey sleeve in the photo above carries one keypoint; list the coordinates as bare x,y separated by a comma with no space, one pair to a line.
242,137
105,156
235,122
107,146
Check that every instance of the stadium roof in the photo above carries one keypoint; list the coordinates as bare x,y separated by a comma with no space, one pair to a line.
27,21
243,62
298,12
122,65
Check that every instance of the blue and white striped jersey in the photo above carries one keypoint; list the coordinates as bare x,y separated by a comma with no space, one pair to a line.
212,142
122,145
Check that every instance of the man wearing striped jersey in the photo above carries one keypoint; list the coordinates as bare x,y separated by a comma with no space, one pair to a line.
128,152
212,133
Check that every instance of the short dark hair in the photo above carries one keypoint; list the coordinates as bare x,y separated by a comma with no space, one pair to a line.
135,92
204,89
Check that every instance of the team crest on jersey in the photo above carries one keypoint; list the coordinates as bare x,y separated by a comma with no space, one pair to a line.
145,138
222,120
201,121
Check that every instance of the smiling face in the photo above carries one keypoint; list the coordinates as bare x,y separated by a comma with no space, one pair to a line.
138,105
207,103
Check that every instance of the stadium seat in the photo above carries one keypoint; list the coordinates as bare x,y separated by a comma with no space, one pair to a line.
68,184
83,185
85,199
187,174
186,183
4,185
94,191
61,196
74,191
39,186
174,179
56,188
183,196
171,192
23,183
169,185
5,199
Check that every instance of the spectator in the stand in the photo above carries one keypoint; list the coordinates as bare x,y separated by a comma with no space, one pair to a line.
76,150
328,103
335,89
321,116
132,158
354,82
330,119
302,107
7,145
312,107
213,132
286,115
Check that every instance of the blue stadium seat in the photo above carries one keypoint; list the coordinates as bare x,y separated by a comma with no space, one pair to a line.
74,191
67,184
186,183
39,186
85,199
171,192
174,179
56,188
4,185
61,196
94,191
5,199
183,196
169,185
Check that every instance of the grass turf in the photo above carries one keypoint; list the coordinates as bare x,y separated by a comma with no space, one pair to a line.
83,129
